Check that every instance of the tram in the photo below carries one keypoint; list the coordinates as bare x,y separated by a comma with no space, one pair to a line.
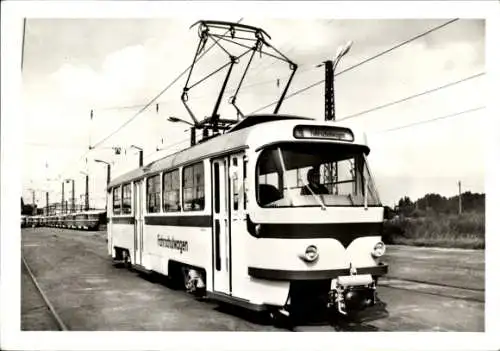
270,212
83,220
236,219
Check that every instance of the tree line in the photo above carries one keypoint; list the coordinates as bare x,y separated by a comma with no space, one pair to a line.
437,204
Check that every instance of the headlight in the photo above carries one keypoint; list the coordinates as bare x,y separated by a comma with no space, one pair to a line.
311,254
378,249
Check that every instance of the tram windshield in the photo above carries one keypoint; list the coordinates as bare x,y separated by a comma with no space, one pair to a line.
307,174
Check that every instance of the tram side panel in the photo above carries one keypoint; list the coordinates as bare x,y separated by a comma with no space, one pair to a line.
238,234
154,238
187,245
256,291
183,237
245,249
122,235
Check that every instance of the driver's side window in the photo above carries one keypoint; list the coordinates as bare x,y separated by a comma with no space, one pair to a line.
268,189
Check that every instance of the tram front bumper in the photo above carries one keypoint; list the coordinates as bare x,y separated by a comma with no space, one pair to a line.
345,290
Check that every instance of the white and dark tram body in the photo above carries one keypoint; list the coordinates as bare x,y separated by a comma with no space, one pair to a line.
227,218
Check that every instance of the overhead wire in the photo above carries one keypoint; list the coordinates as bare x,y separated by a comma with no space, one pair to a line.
158,95
289,51
362,62
431,120
392,103
53,146
229,91
145,106
169,146
261,68
299,71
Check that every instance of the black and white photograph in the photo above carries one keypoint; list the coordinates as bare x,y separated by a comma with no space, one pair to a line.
206,167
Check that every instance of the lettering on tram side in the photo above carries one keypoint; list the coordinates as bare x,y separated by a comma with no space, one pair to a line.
171,243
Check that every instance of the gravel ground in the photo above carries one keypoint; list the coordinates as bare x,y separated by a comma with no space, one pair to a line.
453,267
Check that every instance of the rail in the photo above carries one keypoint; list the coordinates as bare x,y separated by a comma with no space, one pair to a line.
52,310
429,288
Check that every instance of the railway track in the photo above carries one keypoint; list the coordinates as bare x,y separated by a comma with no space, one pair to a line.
435,284
436,289
47,302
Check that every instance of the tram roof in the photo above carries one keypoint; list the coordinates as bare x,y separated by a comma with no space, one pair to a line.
237,138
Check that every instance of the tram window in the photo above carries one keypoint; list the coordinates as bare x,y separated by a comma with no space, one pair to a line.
235,186
268,190
171,192
342,170
193,188
127,199
216,188
244,185
116,201
153,194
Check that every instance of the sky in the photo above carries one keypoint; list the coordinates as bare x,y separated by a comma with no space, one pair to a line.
72,66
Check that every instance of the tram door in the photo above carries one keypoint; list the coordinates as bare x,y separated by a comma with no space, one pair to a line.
221,231
138,223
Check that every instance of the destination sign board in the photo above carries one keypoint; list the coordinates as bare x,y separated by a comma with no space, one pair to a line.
322,132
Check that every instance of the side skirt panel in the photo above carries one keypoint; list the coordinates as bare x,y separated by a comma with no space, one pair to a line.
236,301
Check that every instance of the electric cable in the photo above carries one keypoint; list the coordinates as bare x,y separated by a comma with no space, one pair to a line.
145,106
357,114
432,119
169,146
361,62
158,95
